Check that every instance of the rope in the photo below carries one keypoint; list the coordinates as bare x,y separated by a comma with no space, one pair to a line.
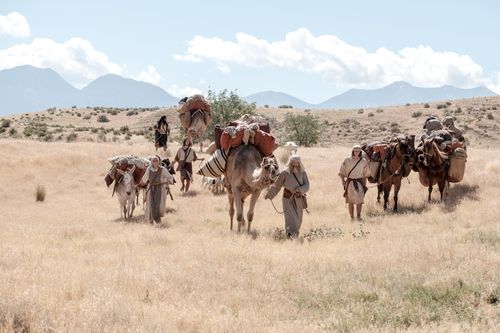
277,211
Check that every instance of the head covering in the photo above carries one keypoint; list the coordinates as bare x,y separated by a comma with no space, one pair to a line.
155,157
294,158
356,147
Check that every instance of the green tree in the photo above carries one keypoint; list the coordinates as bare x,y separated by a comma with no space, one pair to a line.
304,129
226,106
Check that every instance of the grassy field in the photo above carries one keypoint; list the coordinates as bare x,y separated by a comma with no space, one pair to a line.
69,264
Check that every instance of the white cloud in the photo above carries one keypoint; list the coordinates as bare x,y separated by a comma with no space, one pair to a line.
150,75
337,61
15,25
181,92
76,60
494,83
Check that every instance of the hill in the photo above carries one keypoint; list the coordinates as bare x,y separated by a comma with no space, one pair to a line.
28,89
275,99
399,93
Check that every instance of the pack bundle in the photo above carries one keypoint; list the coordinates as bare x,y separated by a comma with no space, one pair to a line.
248,129
193,104
456,170
375,153
123,163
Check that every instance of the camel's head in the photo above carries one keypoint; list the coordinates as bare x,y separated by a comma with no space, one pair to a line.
269,169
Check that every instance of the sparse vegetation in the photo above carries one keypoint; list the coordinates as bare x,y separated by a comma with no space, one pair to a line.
416,114
490,116
102,119
71,137
426,105
303,129
285,107
40,193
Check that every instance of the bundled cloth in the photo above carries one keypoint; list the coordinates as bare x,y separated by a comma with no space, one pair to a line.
215,165
123,163
233,136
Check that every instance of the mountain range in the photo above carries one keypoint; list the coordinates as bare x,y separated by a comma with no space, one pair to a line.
28,88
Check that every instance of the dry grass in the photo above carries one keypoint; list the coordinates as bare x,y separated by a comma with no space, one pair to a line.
71,265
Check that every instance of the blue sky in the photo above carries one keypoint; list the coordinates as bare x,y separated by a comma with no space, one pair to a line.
313,50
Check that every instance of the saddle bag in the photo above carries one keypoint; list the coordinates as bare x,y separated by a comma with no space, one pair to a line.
457,165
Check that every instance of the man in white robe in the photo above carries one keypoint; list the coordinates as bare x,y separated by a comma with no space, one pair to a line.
353,172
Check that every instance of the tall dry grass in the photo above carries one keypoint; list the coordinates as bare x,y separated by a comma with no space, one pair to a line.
72,265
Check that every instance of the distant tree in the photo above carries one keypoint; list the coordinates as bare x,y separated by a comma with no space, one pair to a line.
302,128
226,106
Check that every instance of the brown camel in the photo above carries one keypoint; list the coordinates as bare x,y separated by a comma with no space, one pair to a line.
247,174
432,166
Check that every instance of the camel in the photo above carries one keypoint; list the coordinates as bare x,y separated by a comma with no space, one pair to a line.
247,174
432,166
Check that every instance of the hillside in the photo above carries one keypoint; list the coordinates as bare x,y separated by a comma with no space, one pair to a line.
275,99
479,118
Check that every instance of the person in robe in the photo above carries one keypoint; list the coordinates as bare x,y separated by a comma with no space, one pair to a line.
353,172
156,178
162,131
295,185
184,158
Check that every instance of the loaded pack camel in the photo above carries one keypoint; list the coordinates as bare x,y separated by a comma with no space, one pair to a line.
247,174
432,166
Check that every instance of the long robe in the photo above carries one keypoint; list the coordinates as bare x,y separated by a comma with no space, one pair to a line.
293,206
185,159
156,197
355,196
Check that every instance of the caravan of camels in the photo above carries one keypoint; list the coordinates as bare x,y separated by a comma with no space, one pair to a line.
242,162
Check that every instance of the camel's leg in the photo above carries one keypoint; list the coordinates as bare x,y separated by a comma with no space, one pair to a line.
238,201
430,192
231,208
253,201
397,187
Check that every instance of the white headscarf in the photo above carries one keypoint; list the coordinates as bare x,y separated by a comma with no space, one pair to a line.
294,158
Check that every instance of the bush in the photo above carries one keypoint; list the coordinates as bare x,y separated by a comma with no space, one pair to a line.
132,113
37,130
5,123
285,107
266,106
113,112
226,106
380,110
124,129
87,117
408,104
102,119
448,103
370,114
360,111
12,131
426,105
441,106
303,129
490,116
40,193
416,114
71,137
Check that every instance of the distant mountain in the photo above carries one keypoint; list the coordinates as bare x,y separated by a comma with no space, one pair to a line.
28,89
399,93
116,91
275,99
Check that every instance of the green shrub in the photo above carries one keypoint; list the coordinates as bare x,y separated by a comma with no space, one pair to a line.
102,119
303,129
416,114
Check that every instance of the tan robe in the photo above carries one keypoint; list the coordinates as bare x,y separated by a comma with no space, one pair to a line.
185,161
360,172
292,207
155,210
